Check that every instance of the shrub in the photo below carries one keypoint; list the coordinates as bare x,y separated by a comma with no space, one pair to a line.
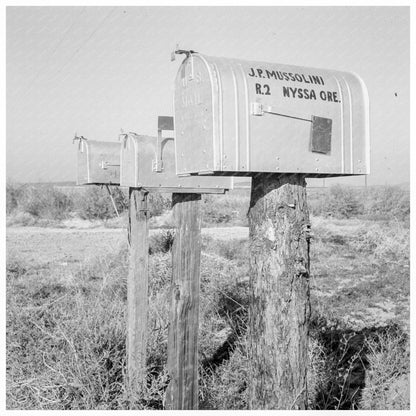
387,375
95,203
44,202
343,202
13,195
387,202
20,219
388,242
373,203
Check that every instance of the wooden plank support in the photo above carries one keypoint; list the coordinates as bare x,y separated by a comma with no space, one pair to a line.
182,392
137,291
279,292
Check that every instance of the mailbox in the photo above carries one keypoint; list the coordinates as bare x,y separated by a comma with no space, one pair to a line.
98,162
149,162
237,117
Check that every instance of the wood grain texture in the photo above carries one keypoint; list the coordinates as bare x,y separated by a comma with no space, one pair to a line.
137,290
279,292
182,392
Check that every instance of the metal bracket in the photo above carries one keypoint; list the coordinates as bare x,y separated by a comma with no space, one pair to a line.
178,51
163,123
80,139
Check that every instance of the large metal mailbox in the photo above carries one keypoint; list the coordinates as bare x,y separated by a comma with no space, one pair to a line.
149,162
237,117
98,162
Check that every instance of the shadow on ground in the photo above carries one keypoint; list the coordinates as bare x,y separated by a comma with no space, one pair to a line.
343,359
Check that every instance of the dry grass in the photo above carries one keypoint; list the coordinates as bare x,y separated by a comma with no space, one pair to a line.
66,331
387,384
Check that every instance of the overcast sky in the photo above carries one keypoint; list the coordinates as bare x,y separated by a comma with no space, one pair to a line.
94,70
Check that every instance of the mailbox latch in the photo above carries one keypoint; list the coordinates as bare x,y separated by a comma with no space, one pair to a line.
105,165
321,127
258,109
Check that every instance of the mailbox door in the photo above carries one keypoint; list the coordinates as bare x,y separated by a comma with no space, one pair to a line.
197,93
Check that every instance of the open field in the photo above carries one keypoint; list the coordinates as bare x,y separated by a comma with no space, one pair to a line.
66,305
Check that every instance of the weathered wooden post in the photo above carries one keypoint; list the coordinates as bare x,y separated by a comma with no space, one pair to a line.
99,163
182,392
149,163
137,290
279,292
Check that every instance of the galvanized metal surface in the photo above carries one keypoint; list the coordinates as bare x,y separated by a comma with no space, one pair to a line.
138,160
235,117
98,162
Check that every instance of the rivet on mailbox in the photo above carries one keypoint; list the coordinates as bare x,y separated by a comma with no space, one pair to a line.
235,116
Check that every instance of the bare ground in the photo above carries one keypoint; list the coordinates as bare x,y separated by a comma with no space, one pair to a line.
63,246
67,248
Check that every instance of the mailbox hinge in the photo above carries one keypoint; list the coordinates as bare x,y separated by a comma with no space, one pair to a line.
163,123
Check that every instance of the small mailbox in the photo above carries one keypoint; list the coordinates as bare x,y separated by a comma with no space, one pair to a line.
149,162
98,162
238,117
